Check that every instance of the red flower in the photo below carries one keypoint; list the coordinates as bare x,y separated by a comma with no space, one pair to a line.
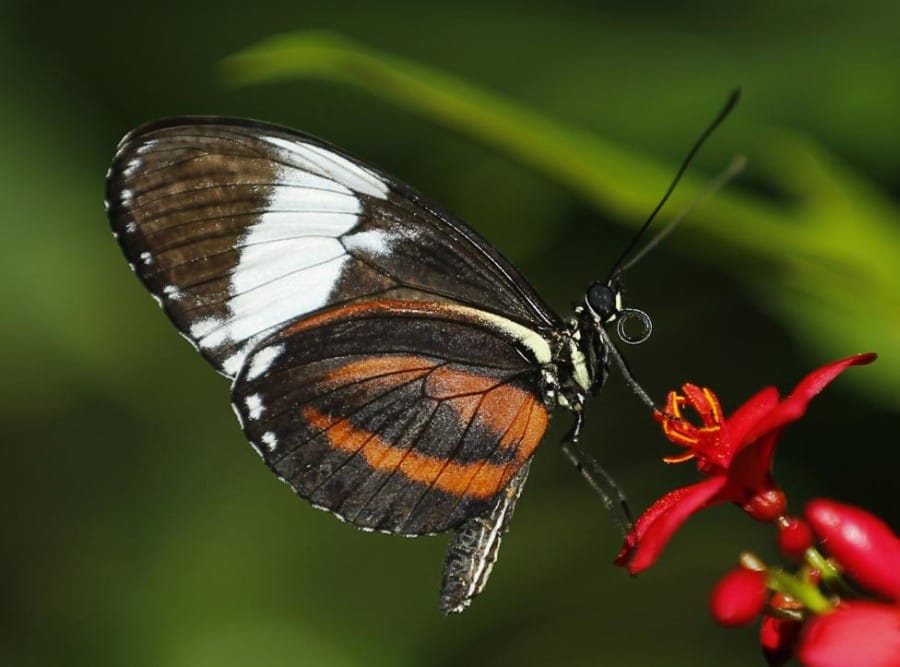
861,543
862,634
779,636
739,597
734,453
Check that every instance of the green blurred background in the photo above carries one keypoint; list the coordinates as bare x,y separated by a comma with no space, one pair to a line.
140,529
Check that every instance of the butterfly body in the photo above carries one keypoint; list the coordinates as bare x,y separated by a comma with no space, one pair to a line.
386,361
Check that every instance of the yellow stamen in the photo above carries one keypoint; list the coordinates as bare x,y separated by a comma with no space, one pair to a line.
714,405
680,458
677,436
682,432
676,402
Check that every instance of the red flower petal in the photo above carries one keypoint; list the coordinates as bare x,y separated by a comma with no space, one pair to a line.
739,597
794,406
863,544
858,634
750,413
655,527
750,482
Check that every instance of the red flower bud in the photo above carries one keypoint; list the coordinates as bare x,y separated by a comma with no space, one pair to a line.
778,637
862,543
767,505
794,537
738,597
861,634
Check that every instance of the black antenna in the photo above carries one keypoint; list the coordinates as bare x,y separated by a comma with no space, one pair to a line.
729,105
735,167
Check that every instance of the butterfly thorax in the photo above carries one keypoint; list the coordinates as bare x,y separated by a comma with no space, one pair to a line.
579,363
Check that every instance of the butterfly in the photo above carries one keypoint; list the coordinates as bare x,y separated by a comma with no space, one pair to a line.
386,362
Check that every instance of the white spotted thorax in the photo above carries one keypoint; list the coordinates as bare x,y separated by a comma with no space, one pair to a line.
584,345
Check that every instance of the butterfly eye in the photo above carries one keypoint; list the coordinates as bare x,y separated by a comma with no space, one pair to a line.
601,299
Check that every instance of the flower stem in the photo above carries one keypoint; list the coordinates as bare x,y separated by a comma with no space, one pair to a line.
831,575
803,592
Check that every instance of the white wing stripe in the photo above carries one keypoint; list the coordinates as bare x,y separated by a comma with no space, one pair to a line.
276,302
296,178
324,163
265,263
286,198
356,176
291,258
286,225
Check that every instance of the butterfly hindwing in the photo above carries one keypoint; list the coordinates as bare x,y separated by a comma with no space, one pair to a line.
239,228
405,417
474,547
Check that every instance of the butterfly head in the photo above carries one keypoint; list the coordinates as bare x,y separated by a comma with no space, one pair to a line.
605,303
604,300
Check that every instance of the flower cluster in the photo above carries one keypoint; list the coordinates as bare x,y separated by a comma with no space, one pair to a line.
812,614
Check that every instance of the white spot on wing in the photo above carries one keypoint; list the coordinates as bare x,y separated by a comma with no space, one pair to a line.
269,440
131,227
145,147
254,406
201,328
262,360
132,167
374,241
232,365
126,195
172,292
146,258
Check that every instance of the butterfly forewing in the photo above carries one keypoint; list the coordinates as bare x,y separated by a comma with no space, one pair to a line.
240,228
406,417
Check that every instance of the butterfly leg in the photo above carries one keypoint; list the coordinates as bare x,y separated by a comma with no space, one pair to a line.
611,494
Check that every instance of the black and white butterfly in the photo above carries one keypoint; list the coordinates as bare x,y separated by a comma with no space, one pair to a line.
386,362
